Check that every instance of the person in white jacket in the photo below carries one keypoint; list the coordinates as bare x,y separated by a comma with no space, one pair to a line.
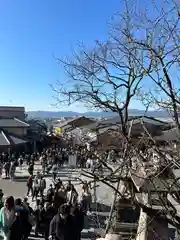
36,187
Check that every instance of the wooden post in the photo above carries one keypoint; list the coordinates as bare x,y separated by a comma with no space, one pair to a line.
112,209
143,221
34,146
94,187
118,185
94,191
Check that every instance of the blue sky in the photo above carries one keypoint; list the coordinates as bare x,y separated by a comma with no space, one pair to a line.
31,32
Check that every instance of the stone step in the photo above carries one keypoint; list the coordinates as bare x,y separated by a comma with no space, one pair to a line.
86,235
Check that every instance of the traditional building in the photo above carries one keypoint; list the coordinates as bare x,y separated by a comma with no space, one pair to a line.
71,124
107,132
13,128
12,112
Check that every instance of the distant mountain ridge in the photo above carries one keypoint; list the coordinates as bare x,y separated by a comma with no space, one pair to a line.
134,112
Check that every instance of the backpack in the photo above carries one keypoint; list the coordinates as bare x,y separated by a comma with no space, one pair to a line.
16,163
31,219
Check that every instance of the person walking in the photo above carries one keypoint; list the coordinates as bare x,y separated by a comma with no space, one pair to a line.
36,188
42,186
12,171
38,217
10,222
78,216
1,199
20,162
47,216
59,196
50,193
1,169
7,168
72,195
30,185
54,171
31,168
61,226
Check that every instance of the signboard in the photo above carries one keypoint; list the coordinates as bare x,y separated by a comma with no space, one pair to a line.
72,161
58,131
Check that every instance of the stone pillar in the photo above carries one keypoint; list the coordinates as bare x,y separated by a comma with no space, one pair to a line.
150,228
142,226
111,236
143,221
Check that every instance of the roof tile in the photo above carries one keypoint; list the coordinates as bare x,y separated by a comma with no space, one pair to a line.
12,122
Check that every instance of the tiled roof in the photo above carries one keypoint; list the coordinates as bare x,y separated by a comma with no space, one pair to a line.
146,182
12,122
9,139
169,135
116,121
76,122
3,139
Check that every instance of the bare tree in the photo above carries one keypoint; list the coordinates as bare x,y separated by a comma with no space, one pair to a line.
105,78
140,56
159,41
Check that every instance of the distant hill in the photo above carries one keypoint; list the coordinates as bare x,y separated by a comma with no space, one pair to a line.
49,114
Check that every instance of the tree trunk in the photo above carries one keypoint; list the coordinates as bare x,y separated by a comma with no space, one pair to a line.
112,209
94,191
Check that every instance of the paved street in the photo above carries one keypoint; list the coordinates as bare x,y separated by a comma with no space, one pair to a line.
100,209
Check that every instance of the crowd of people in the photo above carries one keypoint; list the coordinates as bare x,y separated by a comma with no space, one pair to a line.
60,212
50,158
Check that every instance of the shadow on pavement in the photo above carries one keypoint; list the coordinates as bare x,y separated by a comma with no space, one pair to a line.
32,237
96,220
21,178
68,169
100,207
89,235
59,175
63,175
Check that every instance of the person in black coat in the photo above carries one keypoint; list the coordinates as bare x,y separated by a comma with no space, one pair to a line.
47,216
22,219
78,217
16,228
62,225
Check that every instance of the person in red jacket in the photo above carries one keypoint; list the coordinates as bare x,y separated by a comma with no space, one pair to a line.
30,185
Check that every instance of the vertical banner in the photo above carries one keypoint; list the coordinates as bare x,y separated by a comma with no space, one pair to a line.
72,161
